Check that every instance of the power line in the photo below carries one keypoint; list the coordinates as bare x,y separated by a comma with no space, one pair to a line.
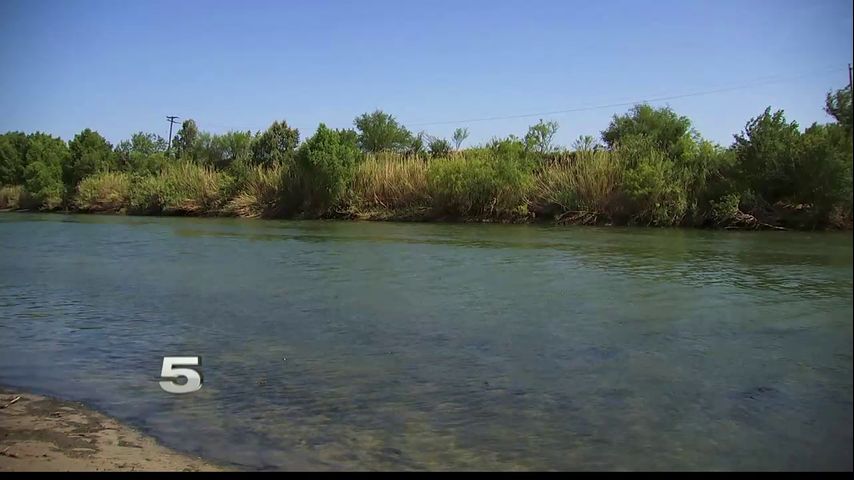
171,119
634,102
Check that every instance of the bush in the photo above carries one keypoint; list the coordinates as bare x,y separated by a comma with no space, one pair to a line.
326,164
480,184
104,192
277,145
656,191
145,195
185,188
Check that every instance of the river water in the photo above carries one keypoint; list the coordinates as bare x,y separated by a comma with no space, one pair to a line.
349,345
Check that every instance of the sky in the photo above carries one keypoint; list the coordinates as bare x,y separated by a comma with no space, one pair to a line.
121,66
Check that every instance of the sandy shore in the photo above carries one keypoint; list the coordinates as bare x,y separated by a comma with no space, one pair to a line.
44,434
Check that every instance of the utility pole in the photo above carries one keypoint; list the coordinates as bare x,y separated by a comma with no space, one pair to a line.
171,119
849,78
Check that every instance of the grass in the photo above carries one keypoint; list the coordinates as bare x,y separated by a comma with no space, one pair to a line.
260,193
11,197
390,183
584,189
104,192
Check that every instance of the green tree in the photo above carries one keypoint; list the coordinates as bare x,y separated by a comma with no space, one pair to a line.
670,132
13,156
89,153
838,105
276,145
43,174
228,148
767,154
327,161
539,137
379,131
185,140
143,153
460,135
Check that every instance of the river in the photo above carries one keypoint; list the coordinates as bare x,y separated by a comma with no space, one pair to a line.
332,345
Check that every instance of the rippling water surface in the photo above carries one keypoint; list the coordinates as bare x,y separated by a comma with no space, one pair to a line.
344,345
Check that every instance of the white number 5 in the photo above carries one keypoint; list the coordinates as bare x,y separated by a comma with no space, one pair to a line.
194,378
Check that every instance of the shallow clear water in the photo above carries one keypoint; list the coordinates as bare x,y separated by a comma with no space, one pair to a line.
429,346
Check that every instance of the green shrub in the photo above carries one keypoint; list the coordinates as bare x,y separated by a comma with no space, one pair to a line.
480,184
183,188
326,164
145,195
104,192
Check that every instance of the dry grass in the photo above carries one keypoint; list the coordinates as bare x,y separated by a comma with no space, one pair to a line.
390,182
11,197
587,185
261,193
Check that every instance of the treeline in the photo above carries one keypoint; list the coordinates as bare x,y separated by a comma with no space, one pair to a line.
648,167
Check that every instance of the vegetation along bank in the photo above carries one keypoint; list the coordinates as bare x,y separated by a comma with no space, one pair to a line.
649,167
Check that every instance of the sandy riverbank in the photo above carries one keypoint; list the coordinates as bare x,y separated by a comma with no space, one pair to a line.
39,433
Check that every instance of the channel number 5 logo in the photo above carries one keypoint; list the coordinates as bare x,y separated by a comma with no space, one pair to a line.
169,370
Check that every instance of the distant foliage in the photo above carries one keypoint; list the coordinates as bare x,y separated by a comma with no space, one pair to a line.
186,140
13,157
460,136
326,162
90,153
379,131
667,130
439,147
653,168
43,175
277,145
540,137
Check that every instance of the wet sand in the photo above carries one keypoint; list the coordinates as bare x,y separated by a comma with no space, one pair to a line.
43,434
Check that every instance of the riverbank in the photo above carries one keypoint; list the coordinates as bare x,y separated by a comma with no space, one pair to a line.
741,222
44,434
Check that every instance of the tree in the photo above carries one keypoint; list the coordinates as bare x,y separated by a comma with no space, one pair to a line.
838,105
585,143
184,142
539,136
766,155
379,131
276,145
43,175
223,150
89,153
327,161
439,147
143,153
13,155
663,126
460,135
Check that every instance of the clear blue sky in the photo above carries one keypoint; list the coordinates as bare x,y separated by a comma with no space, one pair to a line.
121,66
